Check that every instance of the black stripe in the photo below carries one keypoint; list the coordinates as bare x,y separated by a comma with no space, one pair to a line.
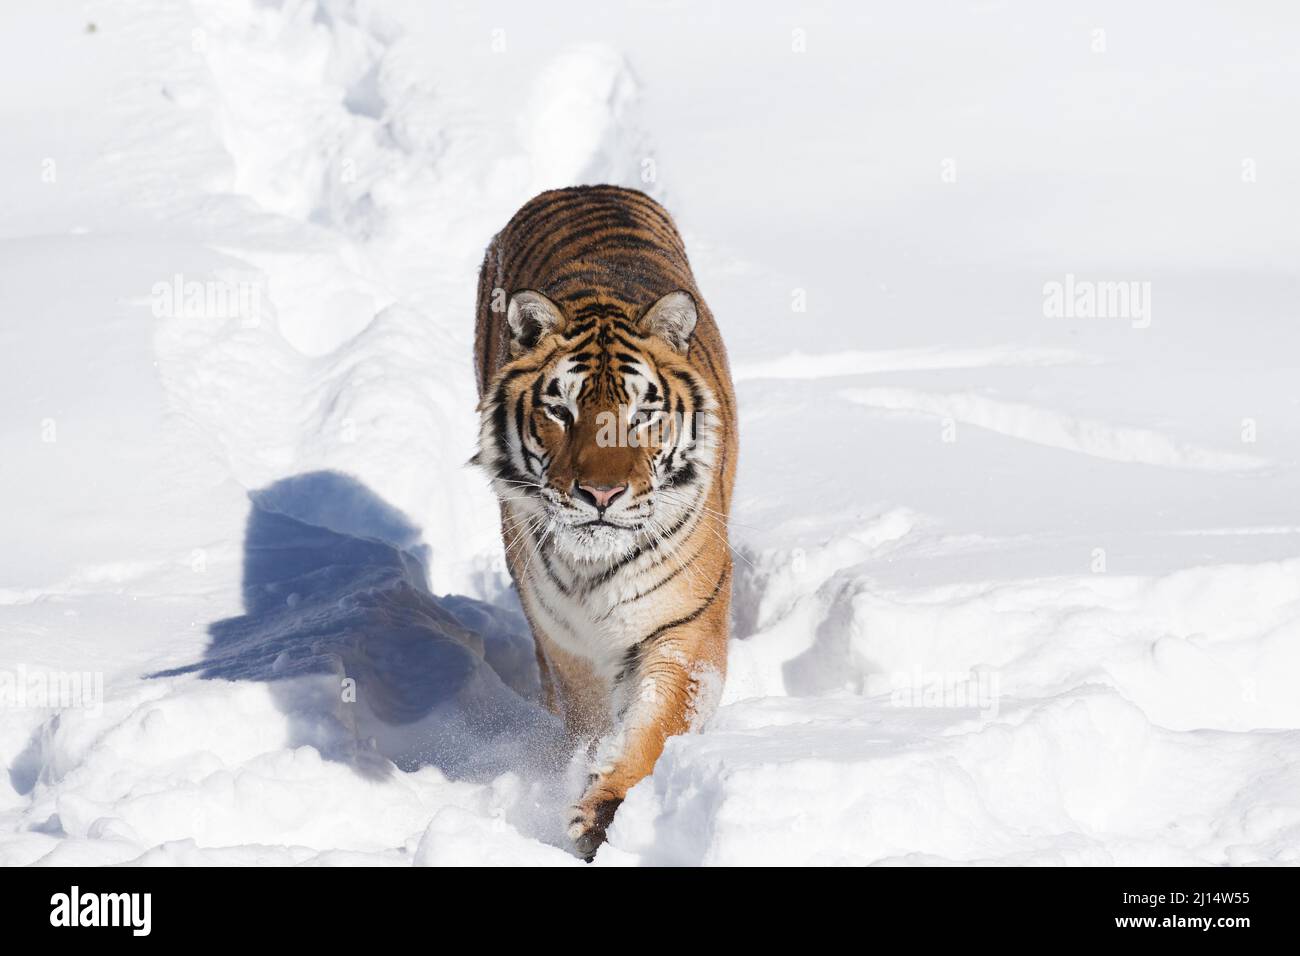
485,281
626,343
690,617
616,282
682,566
615,241
623,562
580,214
563,621
550,572
519,419
582,343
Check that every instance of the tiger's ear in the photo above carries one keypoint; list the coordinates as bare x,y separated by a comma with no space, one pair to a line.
672,318
531,317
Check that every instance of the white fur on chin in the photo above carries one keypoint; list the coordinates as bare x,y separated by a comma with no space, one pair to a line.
595,544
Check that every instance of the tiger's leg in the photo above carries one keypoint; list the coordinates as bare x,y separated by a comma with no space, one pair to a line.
673,687
546,680
578,695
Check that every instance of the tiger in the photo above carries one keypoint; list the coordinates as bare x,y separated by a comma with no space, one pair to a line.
607,428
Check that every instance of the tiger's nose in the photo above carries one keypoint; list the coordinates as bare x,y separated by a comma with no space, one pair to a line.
602,495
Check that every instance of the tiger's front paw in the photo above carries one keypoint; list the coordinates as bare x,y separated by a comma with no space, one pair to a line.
589,820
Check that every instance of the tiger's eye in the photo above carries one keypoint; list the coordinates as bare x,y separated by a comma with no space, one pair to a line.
561,414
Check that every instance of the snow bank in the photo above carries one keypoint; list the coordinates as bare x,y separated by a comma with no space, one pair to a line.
1082,778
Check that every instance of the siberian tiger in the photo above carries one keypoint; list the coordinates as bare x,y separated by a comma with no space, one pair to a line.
608,428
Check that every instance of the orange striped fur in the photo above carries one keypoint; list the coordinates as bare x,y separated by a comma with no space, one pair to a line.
608,429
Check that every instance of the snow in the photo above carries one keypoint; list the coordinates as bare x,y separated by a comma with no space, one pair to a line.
1012,586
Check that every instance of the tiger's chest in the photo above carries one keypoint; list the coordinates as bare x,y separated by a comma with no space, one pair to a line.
598,623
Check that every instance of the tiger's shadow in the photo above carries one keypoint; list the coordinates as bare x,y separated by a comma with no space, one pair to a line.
368,665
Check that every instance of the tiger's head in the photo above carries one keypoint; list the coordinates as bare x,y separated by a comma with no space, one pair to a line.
598,427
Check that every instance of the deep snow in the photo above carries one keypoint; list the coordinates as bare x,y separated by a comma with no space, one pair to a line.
1011,586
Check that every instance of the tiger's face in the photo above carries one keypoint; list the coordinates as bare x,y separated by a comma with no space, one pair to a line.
598,433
